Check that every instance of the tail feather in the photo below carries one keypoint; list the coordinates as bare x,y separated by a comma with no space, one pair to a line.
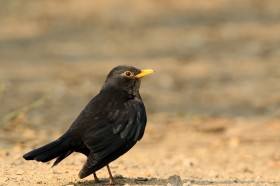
50,151
61,157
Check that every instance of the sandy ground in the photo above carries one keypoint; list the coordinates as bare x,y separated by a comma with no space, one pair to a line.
221,152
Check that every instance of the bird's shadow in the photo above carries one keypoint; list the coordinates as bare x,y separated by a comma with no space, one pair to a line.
173,180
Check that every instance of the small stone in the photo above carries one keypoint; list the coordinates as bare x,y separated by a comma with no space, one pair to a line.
247,170
175,180
19,172
191,164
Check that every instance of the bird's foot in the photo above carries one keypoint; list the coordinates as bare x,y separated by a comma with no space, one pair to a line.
96,179
111,178
112,181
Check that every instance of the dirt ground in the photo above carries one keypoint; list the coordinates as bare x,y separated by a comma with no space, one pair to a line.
219,152
213,104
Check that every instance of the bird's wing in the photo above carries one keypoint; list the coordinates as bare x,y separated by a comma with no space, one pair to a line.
115,133
122,123
129,123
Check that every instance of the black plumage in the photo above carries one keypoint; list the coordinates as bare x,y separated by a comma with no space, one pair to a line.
110,124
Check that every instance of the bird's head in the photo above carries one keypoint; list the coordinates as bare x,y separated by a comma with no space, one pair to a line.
127,78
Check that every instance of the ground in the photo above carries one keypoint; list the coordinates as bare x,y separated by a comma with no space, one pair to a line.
222,152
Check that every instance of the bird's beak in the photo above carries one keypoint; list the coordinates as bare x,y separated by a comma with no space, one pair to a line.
144,72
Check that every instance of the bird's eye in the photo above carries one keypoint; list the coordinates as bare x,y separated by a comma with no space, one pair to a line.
128,73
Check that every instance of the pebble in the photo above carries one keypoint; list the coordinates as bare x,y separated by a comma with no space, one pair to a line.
20,172
175,180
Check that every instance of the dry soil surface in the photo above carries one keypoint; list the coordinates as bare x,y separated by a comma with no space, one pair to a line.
175,151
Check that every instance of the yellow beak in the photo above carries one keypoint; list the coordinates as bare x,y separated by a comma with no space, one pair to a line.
144,72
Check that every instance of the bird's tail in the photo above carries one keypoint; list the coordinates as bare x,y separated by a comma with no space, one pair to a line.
59,149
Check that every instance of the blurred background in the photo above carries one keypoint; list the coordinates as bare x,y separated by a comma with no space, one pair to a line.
217,62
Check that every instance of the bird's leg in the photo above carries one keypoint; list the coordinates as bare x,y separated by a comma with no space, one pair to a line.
110,175
96,178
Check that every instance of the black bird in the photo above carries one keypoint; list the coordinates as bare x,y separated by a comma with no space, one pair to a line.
110,124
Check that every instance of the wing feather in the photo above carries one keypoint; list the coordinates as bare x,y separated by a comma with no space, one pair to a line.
114,132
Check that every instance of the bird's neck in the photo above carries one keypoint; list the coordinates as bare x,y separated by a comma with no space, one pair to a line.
121,93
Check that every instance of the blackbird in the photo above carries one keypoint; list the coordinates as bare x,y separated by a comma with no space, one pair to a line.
109,125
